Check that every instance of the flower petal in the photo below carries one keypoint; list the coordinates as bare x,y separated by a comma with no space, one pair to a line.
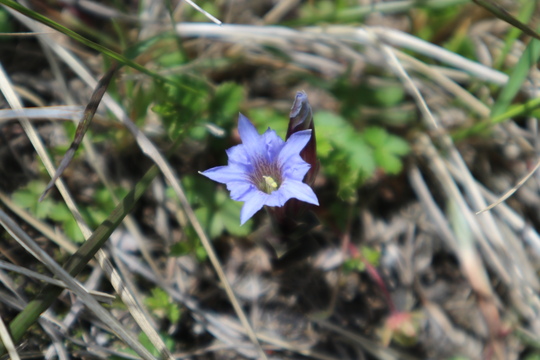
294,145
252,205
237,155
273,144
298,190
240,190
225,174
250,137
295,169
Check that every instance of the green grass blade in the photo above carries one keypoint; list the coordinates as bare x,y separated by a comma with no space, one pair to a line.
528,59
517,78
525,14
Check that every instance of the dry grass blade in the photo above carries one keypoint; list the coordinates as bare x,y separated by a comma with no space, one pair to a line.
459,92
281,37
8,342
404,268
204,12
100,296
49,112
375,349
83,126
512,190
151,151
7,89
26,242
398,69
279,10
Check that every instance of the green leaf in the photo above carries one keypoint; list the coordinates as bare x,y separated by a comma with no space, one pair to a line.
180,248
387,149
397,145
216,211
371,254
72,231
528,59
24,198
145,341
343,152
353,265
59,212
174,313
225,104
390,163
375,136
389,96
159,299
200,253
6,24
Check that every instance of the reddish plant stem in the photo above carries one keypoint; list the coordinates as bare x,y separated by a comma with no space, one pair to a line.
374,275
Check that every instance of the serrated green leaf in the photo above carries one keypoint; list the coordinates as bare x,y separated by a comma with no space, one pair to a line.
216,225
389,96
173,313
59,212
397,145
390,163
225,103
353,265
24,198
158,299
375,136
180,248
200,253
72,231
43,209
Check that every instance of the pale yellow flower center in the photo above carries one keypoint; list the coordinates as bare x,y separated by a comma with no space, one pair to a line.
270,184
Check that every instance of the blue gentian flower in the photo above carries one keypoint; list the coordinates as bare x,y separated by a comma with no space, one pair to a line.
264,169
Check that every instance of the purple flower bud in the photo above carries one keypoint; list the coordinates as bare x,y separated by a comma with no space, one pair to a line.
301,118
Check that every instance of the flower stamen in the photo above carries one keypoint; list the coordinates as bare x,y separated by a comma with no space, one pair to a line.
269,184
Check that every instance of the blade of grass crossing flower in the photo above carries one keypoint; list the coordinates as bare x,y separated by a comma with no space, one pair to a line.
83,126
102,49
78,261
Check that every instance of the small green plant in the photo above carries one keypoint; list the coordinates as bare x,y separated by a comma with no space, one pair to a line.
215,210
163,306
145,341
356,264
387,149
48,209
347,155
